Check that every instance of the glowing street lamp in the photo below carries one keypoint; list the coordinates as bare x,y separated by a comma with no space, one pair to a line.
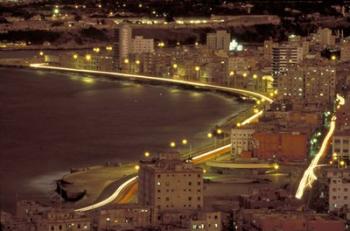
174,65
137,62
172,144
219,131
75,56
276,166
210,135
137,167
147,154
197,68
184,141
96,49
88,57
41,53
126,61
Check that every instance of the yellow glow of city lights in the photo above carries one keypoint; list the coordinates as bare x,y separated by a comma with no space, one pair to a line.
342,163
147,154
126,61
276,166
256,110
309,175
96,49
137,62
232,73
88,80
219,131
184,141
245,74
330,162
238,124
197,68
210,135
255,76
333,57
41,53
75,56
172,144
88,57
56,11
174,65
204,171
161,44
109,48
137,167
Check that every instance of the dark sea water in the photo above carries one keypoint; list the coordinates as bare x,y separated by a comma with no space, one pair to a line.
51,122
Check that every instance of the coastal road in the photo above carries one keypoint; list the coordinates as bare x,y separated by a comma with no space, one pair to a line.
127,190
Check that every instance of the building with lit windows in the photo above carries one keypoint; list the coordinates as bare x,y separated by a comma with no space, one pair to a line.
311,84
284,55
339,188
341,144
241,140
125,42
141,45
171,188
220,40
207,221
168,183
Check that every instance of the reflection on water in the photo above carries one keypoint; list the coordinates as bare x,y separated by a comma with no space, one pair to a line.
51,122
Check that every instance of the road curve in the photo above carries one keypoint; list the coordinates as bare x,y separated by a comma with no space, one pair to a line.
154,78
197,159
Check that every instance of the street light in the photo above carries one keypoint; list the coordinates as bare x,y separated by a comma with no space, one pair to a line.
147,154
75,56
41,53
137,62
184,141
197,68
219,131
88,57
174,65
172,144
210,135
137,167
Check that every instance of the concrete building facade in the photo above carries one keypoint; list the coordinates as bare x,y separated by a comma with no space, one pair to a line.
169,183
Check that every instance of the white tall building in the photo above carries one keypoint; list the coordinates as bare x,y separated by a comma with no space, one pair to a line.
339,188
341,144
241,140
141,45
169,183
284,55
125,42
219,40
310,83
325,37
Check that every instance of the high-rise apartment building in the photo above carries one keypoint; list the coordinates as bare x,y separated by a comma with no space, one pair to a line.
341,144
169,183
141,45
219,40
339,188
125,42
285,55
311,83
